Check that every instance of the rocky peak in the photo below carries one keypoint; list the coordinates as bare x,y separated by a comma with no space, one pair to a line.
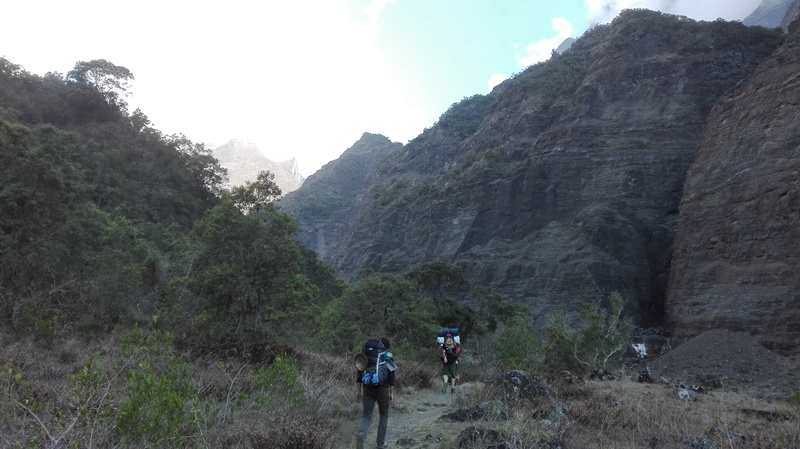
244,161
565,45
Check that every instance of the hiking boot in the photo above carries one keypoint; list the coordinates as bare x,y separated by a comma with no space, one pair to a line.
383,446
452,390
360,440
444,388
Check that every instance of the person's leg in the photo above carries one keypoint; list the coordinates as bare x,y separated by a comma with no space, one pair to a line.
444,378
368,402
449,377
383,411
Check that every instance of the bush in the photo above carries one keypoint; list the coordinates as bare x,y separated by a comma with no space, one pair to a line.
517,347
281,379
157,410
595,342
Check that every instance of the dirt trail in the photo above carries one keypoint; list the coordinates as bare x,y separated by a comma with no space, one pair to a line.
414,418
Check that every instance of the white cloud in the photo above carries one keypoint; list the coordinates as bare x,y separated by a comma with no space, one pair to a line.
542,50
297,81
376,7
495,80
603,11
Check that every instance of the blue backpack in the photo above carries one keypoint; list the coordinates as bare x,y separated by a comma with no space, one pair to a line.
379,363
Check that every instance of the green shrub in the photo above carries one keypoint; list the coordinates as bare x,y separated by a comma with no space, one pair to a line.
282,378
593,342
517,347
391,192
157,410
94,410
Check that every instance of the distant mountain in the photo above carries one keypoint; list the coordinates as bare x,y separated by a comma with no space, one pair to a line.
565,45
327,198
770,14
566,183
244,161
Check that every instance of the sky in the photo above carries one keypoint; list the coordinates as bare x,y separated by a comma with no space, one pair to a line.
305,79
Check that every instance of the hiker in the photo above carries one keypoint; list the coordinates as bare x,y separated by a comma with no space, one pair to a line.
377,390
449,352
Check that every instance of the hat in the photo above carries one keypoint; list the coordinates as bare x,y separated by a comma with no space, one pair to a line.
360,362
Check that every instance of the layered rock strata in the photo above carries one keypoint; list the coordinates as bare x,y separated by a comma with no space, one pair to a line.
736,254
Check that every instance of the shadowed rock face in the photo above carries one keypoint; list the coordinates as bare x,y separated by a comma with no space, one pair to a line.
564,183
736,254
326,202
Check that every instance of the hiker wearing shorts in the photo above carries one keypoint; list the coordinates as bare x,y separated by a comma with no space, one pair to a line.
449,353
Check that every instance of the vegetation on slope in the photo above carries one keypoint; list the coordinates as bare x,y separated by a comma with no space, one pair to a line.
143,306
122,256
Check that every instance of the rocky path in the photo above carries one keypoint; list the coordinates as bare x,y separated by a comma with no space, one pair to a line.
415,418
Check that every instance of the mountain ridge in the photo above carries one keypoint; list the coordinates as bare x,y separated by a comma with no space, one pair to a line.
564,183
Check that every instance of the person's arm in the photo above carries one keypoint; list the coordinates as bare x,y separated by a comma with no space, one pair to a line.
358,387
391,381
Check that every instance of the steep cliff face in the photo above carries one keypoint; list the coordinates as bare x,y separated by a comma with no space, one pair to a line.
736,254
331,196
792,13
563,184
770,14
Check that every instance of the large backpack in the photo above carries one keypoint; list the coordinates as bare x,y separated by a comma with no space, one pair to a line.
377,370
442,334
451,353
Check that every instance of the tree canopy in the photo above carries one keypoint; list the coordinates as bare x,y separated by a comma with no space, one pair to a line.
109,79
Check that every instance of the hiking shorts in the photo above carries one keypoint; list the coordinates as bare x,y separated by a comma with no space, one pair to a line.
450,370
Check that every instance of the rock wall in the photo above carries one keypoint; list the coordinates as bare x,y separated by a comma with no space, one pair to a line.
564,183
736,253
330,197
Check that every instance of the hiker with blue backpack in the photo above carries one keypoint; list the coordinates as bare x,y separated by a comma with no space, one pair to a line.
376,375
449,352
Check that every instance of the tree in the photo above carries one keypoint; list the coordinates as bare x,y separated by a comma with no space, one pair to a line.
593,343
244,263
517,346
255,195
438,279
105,77
443,283
39,197
381,304
204,168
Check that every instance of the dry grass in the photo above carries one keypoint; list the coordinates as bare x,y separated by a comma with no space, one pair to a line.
41,407
626,414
